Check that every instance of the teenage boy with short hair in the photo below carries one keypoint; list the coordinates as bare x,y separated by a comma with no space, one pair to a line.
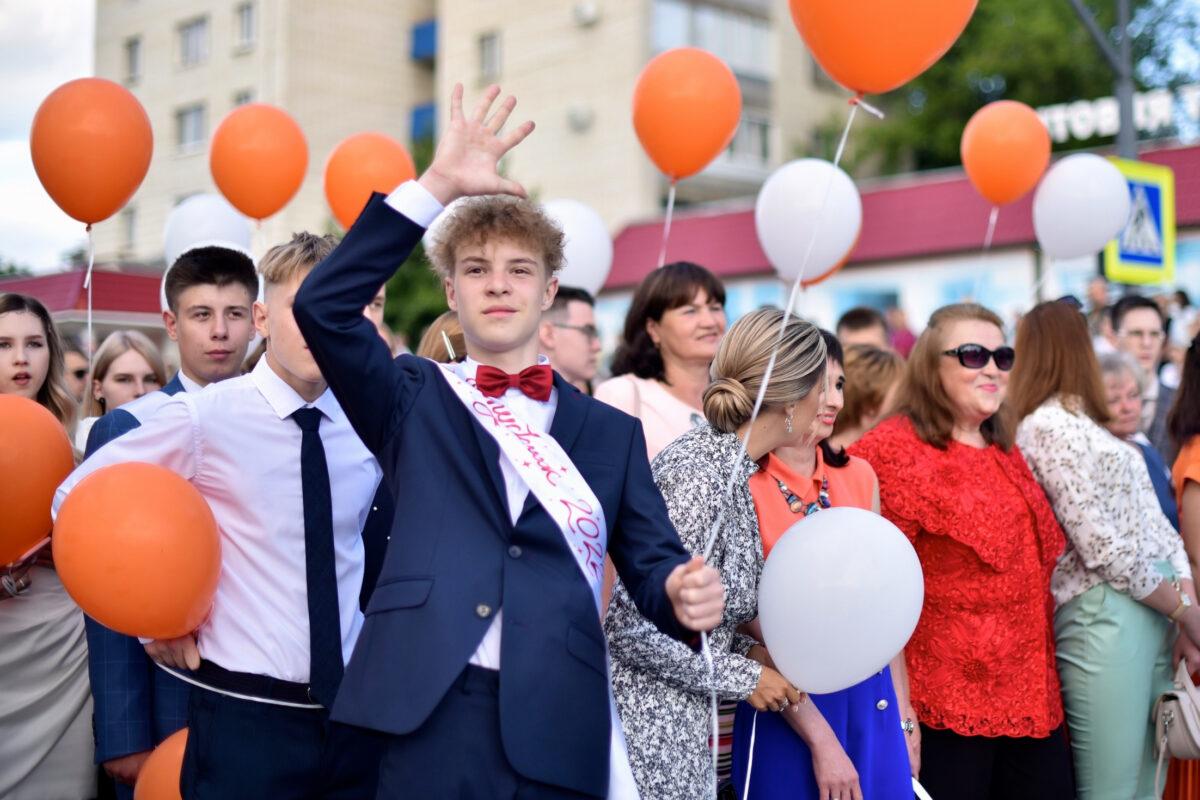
482,656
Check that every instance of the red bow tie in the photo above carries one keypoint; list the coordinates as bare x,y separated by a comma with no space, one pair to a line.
535,382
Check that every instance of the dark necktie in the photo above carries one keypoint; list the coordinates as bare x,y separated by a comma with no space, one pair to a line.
535,382
324,617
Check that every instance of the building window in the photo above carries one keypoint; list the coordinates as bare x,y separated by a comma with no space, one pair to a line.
128,228
741,39
751,144
190,128
133,59
242,97
489,57
247,25
424,41
422,122
193,42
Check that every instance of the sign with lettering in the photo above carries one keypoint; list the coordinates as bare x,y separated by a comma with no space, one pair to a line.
1154,112
1144,252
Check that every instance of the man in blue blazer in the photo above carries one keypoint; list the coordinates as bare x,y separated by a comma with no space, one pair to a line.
482,656
209,291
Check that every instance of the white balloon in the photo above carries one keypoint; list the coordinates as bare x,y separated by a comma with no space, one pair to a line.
787,216
1082,203
588,248
431,233
203,220
839,597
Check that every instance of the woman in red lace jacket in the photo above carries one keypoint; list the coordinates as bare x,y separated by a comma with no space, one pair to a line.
981,662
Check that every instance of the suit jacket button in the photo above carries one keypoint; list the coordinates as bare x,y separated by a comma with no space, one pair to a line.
514,551
483,610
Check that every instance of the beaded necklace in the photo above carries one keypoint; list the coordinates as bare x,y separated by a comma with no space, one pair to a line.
796,505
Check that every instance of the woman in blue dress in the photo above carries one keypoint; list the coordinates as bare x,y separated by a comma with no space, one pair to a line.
859,742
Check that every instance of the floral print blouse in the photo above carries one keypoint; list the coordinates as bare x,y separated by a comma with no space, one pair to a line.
1101,492
661,685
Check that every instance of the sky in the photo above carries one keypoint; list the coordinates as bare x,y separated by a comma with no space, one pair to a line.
43,43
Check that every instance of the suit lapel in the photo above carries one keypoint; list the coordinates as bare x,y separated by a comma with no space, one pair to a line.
174,386
489,451
567,423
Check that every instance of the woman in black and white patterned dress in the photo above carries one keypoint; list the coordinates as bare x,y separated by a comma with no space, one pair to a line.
662,686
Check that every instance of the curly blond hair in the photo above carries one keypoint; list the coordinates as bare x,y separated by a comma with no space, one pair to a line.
476,220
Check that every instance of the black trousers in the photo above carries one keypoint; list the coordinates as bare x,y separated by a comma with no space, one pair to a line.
457,753
243,749
957,767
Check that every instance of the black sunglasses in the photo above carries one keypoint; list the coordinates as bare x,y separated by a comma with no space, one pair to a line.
976,356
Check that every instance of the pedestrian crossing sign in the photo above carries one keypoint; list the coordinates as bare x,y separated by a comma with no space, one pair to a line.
1144,252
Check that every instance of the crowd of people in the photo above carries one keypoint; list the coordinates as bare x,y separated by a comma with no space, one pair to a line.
400,610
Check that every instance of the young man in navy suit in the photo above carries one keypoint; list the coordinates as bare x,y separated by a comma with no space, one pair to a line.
209,292
482,657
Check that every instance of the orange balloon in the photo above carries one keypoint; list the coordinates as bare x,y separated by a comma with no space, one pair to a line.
686,108
258,159
874,46
34,459
361,164
138,549
159,778
1005,149
91,144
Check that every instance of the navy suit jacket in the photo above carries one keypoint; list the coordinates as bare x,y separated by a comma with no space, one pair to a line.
455,557
136,705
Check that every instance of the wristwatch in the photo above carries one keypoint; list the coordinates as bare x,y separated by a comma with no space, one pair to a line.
1185,603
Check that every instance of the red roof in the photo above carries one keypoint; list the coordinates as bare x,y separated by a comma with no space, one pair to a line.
905,218
111,291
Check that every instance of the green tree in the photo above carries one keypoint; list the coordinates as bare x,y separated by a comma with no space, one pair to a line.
1035,51
9,269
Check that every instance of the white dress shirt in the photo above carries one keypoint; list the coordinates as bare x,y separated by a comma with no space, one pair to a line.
415,202
538,415
237,445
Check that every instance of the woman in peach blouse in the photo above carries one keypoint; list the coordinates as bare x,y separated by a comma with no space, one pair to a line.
862,741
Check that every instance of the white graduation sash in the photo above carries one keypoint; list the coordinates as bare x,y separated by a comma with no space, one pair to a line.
559,487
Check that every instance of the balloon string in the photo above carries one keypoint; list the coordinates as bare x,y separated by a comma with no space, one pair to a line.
662,253
987,246
750,756
87,286
797,285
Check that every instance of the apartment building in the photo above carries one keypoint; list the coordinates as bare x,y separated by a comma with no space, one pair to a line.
353,65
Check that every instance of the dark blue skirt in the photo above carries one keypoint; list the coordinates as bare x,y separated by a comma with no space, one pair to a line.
870,735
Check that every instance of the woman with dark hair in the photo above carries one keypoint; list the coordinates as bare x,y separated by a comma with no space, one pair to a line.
981,661
1124,579
845,744
872,381
662,686
1183,424
45,701
660,371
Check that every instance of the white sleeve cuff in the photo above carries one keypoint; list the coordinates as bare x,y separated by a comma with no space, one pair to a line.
415,202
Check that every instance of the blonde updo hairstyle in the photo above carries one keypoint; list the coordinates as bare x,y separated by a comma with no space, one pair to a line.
741,363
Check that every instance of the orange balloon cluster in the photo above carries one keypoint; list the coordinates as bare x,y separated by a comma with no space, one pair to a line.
362,164
138,549
686,108
1005,150
258,159
91,145
35,459
874,46
159,777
